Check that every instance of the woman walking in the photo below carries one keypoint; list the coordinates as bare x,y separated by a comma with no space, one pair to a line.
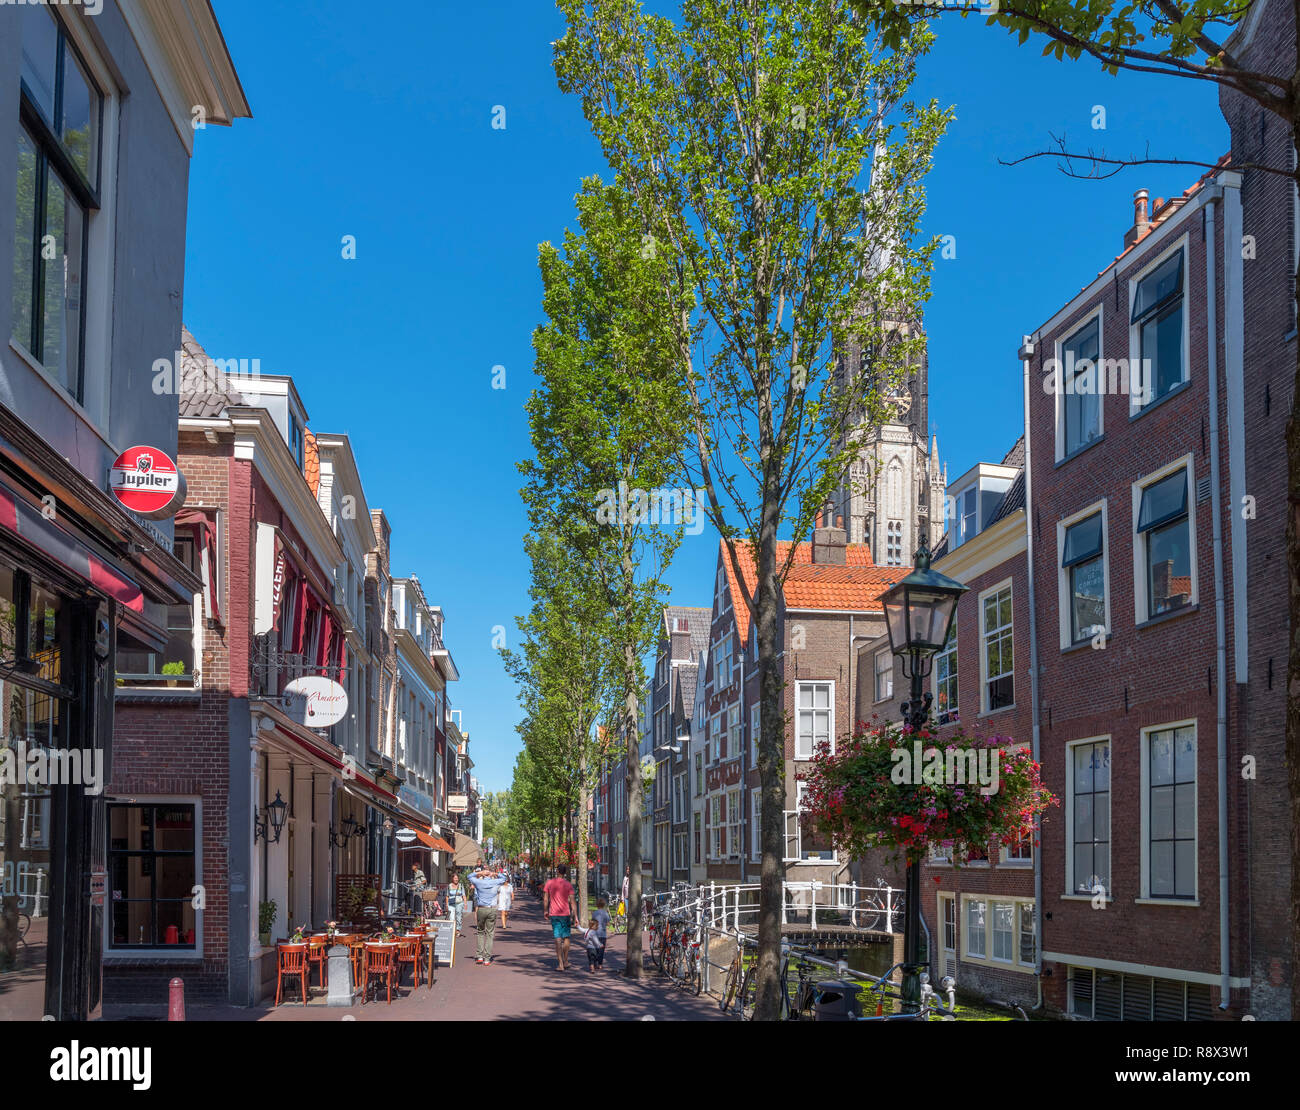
504,898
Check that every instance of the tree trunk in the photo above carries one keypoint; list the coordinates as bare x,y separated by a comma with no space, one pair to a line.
633,747
584,794
1293,655
771,770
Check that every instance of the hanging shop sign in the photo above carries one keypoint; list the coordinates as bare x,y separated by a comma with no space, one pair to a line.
457,803
315,701
406,836
147,481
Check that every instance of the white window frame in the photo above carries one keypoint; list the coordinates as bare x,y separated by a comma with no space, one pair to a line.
967,900
1064,599
1134,337
699,775
734,811
1059,392
825,855
735,732
715,737
756,824
1070,884
755,732
1145,806
986,958
798,688
1005,584
877,673
1139,539
956,674
1005,858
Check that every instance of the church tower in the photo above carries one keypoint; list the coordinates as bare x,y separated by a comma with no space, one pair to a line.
895,488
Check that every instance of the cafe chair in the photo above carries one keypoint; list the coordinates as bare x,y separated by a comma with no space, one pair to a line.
379,962
316,949
292,961
357,956
408,952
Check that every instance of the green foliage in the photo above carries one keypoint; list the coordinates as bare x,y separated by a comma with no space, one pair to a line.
176,667
266,912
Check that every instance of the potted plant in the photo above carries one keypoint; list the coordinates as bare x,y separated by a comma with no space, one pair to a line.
176,668
299,935
266,912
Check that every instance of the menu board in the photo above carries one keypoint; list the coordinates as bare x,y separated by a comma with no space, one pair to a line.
444,942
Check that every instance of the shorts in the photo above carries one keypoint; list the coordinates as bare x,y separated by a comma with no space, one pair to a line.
561,927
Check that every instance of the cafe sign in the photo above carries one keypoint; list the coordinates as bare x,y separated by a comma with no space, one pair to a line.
147,481
315,701
457,803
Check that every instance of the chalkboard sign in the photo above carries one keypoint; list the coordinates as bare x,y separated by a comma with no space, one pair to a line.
444,943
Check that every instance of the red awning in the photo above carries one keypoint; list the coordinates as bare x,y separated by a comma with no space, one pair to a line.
434,842
205,539
29,523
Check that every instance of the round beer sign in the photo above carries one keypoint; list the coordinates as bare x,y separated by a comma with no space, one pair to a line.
146,481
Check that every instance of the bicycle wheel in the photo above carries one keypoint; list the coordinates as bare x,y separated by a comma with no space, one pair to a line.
731,985
692,979
749,992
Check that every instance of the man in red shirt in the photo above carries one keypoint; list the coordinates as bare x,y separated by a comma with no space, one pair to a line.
557,897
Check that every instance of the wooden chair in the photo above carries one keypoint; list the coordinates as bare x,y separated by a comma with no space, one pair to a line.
292,961
356,946
379,961
408,952
316,949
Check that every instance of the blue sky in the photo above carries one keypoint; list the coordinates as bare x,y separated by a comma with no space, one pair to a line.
378,125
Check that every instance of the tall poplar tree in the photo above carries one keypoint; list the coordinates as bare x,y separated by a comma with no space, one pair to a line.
744,135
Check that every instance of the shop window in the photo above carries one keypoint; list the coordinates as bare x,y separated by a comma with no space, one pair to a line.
175,664
152,872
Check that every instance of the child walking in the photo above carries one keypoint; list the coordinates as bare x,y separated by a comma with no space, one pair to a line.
595,944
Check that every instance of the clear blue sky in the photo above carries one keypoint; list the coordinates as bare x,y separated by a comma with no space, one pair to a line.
376,123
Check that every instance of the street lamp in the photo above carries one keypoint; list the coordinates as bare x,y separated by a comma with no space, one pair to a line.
919,613
274,823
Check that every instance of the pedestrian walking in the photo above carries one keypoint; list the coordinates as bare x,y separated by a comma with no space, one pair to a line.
595,946
600,915
627,879
456,899
557,899
486,886
505,898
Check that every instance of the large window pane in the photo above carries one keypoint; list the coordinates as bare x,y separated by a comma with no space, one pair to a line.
40,58
1082,408
79,128
1087,599
25,260
1169,567
62,251
1162,350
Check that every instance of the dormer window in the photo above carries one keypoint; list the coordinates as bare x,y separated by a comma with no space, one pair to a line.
295,439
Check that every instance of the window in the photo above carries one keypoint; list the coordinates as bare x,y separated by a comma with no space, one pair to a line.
884,675
175,665
699,773
717,827
681,851
811,844
1111,996
715,738
151,866
61,113
894,544
1158,326
940,854
1089,817
697,821
975,928
661,671
295,446
736,733
999,665
975,853
949,923
815,717
945,678
755,734
1164,544
1171,812
969,515
1020,851
1081,387
1028,947
756,825
735,822
1081,560
680,801
1004,930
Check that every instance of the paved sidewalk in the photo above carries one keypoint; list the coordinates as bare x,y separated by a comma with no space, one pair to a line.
520,984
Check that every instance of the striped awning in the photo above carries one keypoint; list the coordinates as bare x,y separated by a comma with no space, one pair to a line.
30,524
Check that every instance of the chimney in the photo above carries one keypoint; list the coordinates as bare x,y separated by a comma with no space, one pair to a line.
828,543
1141,221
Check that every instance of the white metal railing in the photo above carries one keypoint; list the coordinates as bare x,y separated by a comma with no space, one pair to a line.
733,907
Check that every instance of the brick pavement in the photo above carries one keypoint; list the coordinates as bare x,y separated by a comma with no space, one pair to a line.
521,984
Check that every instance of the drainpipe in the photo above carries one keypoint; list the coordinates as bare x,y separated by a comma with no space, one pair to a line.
1026,353
1220,620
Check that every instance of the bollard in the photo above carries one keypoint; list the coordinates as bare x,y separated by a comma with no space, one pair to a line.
176,1000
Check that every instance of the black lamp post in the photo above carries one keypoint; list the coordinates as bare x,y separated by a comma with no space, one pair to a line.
919,612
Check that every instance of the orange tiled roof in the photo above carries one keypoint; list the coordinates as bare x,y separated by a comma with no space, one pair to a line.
857,585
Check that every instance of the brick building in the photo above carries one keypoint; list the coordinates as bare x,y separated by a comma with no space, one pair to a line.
979,901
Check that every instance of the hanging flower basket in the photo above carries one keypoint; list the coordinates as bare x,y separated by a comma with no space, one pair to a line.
905,791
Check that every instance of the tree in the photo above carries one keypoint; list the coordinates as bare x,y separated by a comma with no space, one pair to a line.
1186,40
606,425
742,136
